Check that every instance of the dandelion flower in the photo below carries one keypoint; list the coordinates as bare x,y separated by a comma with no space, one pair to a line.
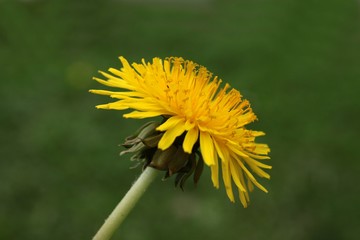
203,123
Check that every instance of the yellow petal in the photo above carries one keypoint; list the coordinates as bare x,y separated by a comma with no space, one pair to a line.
257,133
234,147
257,163
215,172
140,115
256,167
250,185
120,95
259,171
169,136
262,149
190,139
170,123
234,169
260,157
244,196
249,175
124,62
115,105
189,125
243,199
221,150
227,180
207,148
115,71
142,105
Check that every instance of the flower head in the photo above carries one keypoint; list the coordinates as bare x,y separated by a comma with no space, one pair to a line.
199,115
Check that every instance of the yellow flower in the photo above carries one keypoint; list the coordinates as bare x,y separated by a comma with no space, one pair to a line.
196,107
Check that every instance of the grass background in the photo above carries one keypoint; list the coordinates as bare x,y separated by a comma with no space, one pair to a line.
297,61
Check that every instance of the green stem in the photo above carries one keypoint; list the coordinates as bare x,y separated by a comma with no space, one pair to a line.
126,204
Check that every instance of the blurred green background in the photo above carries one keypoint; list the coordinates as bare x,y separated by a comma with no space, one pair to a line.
297,61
